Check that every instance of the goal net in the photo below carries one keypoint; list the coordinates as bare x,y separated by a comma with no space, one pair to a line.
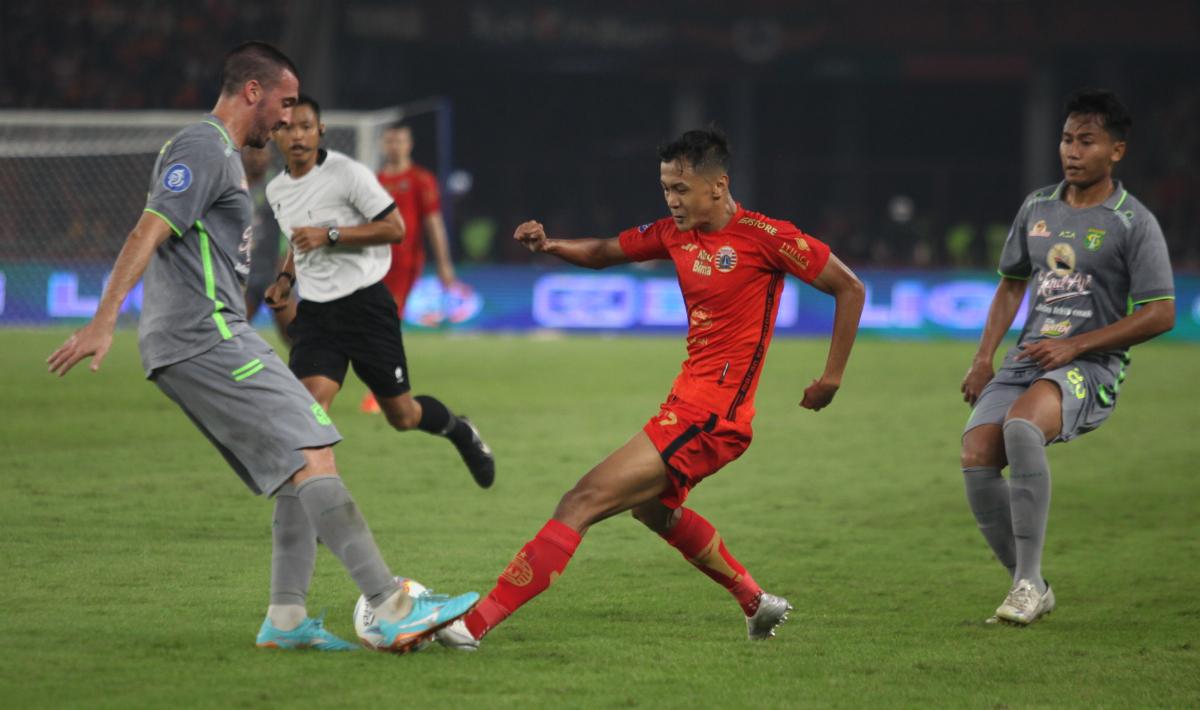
73,183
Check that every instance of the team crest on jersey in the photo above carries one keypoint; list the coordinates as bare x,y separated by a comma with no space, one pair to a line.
1040,229
1095,239
177,178
1061,259
644,227
725,259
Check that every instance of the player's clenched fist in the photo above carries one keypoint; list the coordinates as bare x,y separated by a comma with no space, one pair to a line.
532,234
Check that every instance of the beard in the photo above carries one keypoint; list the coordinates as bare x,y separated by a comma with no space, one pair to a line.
260,131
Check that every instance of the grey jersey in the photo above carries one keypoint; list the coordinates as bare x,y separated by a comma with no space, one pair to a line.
193,294
1088,267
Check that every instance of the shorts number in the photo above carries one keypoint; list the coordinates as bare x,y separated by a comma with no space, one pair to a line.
1076,378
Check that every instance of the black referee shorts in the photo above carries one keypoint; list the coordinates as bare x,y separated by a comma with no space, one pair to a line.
362,330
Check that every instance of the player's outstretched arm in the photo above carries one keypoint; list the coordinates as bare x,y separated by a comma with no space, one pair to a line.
592,253
1148,321
1000,317
95,338
849,294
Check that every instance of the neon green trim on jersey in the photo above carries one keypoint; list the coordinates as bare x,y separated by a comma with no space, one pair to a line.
1151,300
223,133
1102,393
252,371
1124,194
210,282
1015,278
255,363
165,146
319,412
163,217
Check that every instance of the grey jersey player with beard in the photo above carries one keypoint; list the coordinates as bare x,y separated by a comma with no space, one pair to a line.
194,284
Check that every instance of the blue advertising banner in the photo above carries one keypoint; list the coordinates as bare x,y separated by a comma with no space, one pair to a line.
906,304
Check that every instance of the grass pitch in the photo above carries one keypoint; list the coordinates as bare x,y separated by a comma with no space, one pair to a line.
136,565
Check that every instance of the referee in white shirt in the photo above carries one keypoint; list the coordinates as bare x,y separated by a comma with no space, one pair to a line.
340,223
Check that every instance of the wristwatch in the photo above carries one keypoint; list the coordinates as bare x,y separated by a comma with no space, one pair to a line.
334,236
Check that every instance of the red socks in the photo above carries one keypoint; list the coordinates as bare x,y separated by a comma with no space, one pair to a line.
702,546
534,569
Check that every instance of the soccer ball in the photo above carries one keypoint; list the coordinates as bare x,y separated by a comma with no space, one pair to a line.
364,615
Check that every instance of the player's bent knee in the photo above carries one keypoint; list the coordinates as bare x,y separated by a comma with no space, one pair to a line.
983,446
317,462
655,516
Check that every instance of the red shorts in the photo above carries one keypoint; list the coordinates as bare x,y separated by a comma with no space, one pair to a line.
695,444
401,279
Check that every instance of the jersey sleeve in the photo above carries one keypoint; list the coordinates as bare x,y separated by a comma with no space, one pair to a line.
429,200
792,251
645,243
365,192
190,178
1014,258
1150,277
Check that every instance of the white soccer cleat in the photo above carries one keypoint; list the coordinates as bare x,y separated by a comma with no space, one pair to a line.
772,611
457,637
1025,605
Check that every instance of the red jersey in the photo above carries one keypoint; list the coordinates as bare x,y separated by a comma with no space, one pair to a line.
731,282
416,194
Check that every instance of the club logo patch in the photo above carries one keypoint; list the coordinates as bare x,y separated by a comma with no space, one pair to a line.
725,259
644,227
1061,259
177,178
1095,239
1039,229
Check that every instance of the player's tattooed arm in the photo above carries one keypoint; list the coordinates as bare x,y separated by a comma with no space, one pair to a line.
592,253
849,294
1000,318
95,338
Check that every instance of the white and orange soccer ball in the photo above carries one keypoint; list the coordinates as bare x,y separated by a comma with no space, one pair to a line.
364,615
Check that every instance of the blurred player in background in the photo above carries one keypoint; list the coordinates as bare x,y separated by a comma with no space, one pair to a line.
1101,282
731,263
193,244
341,224
415,191
266,251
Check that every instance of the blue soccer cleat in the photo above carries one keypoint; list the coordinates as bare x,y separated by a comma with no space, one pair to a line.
310,633
430,612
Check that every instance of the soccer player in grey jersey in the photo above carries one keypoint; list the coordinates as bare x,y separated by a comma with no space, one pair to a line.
1096,263
192,242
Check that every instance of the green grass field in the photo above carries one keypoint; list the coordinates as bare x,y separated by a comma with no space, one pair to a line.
135,565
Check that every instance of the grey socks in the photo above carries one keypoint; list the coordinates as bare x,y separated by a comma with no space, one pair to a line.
988,496
1029,483
337,521
293,549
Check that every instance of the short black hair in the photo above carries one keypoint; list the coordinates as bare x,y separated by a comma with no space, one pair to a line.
702,148
398,126
306,100
257,61
1103,104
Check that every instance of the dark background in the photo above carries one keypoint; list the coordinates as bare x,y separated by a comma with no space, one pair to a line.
834,109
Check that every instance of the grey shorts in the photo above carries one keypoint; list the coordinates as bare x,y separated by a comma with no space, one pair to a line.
251,407
1089,395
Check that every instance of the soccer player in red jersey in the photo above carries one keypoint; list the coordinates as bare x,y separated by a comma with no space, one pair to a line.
415,191
731,263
